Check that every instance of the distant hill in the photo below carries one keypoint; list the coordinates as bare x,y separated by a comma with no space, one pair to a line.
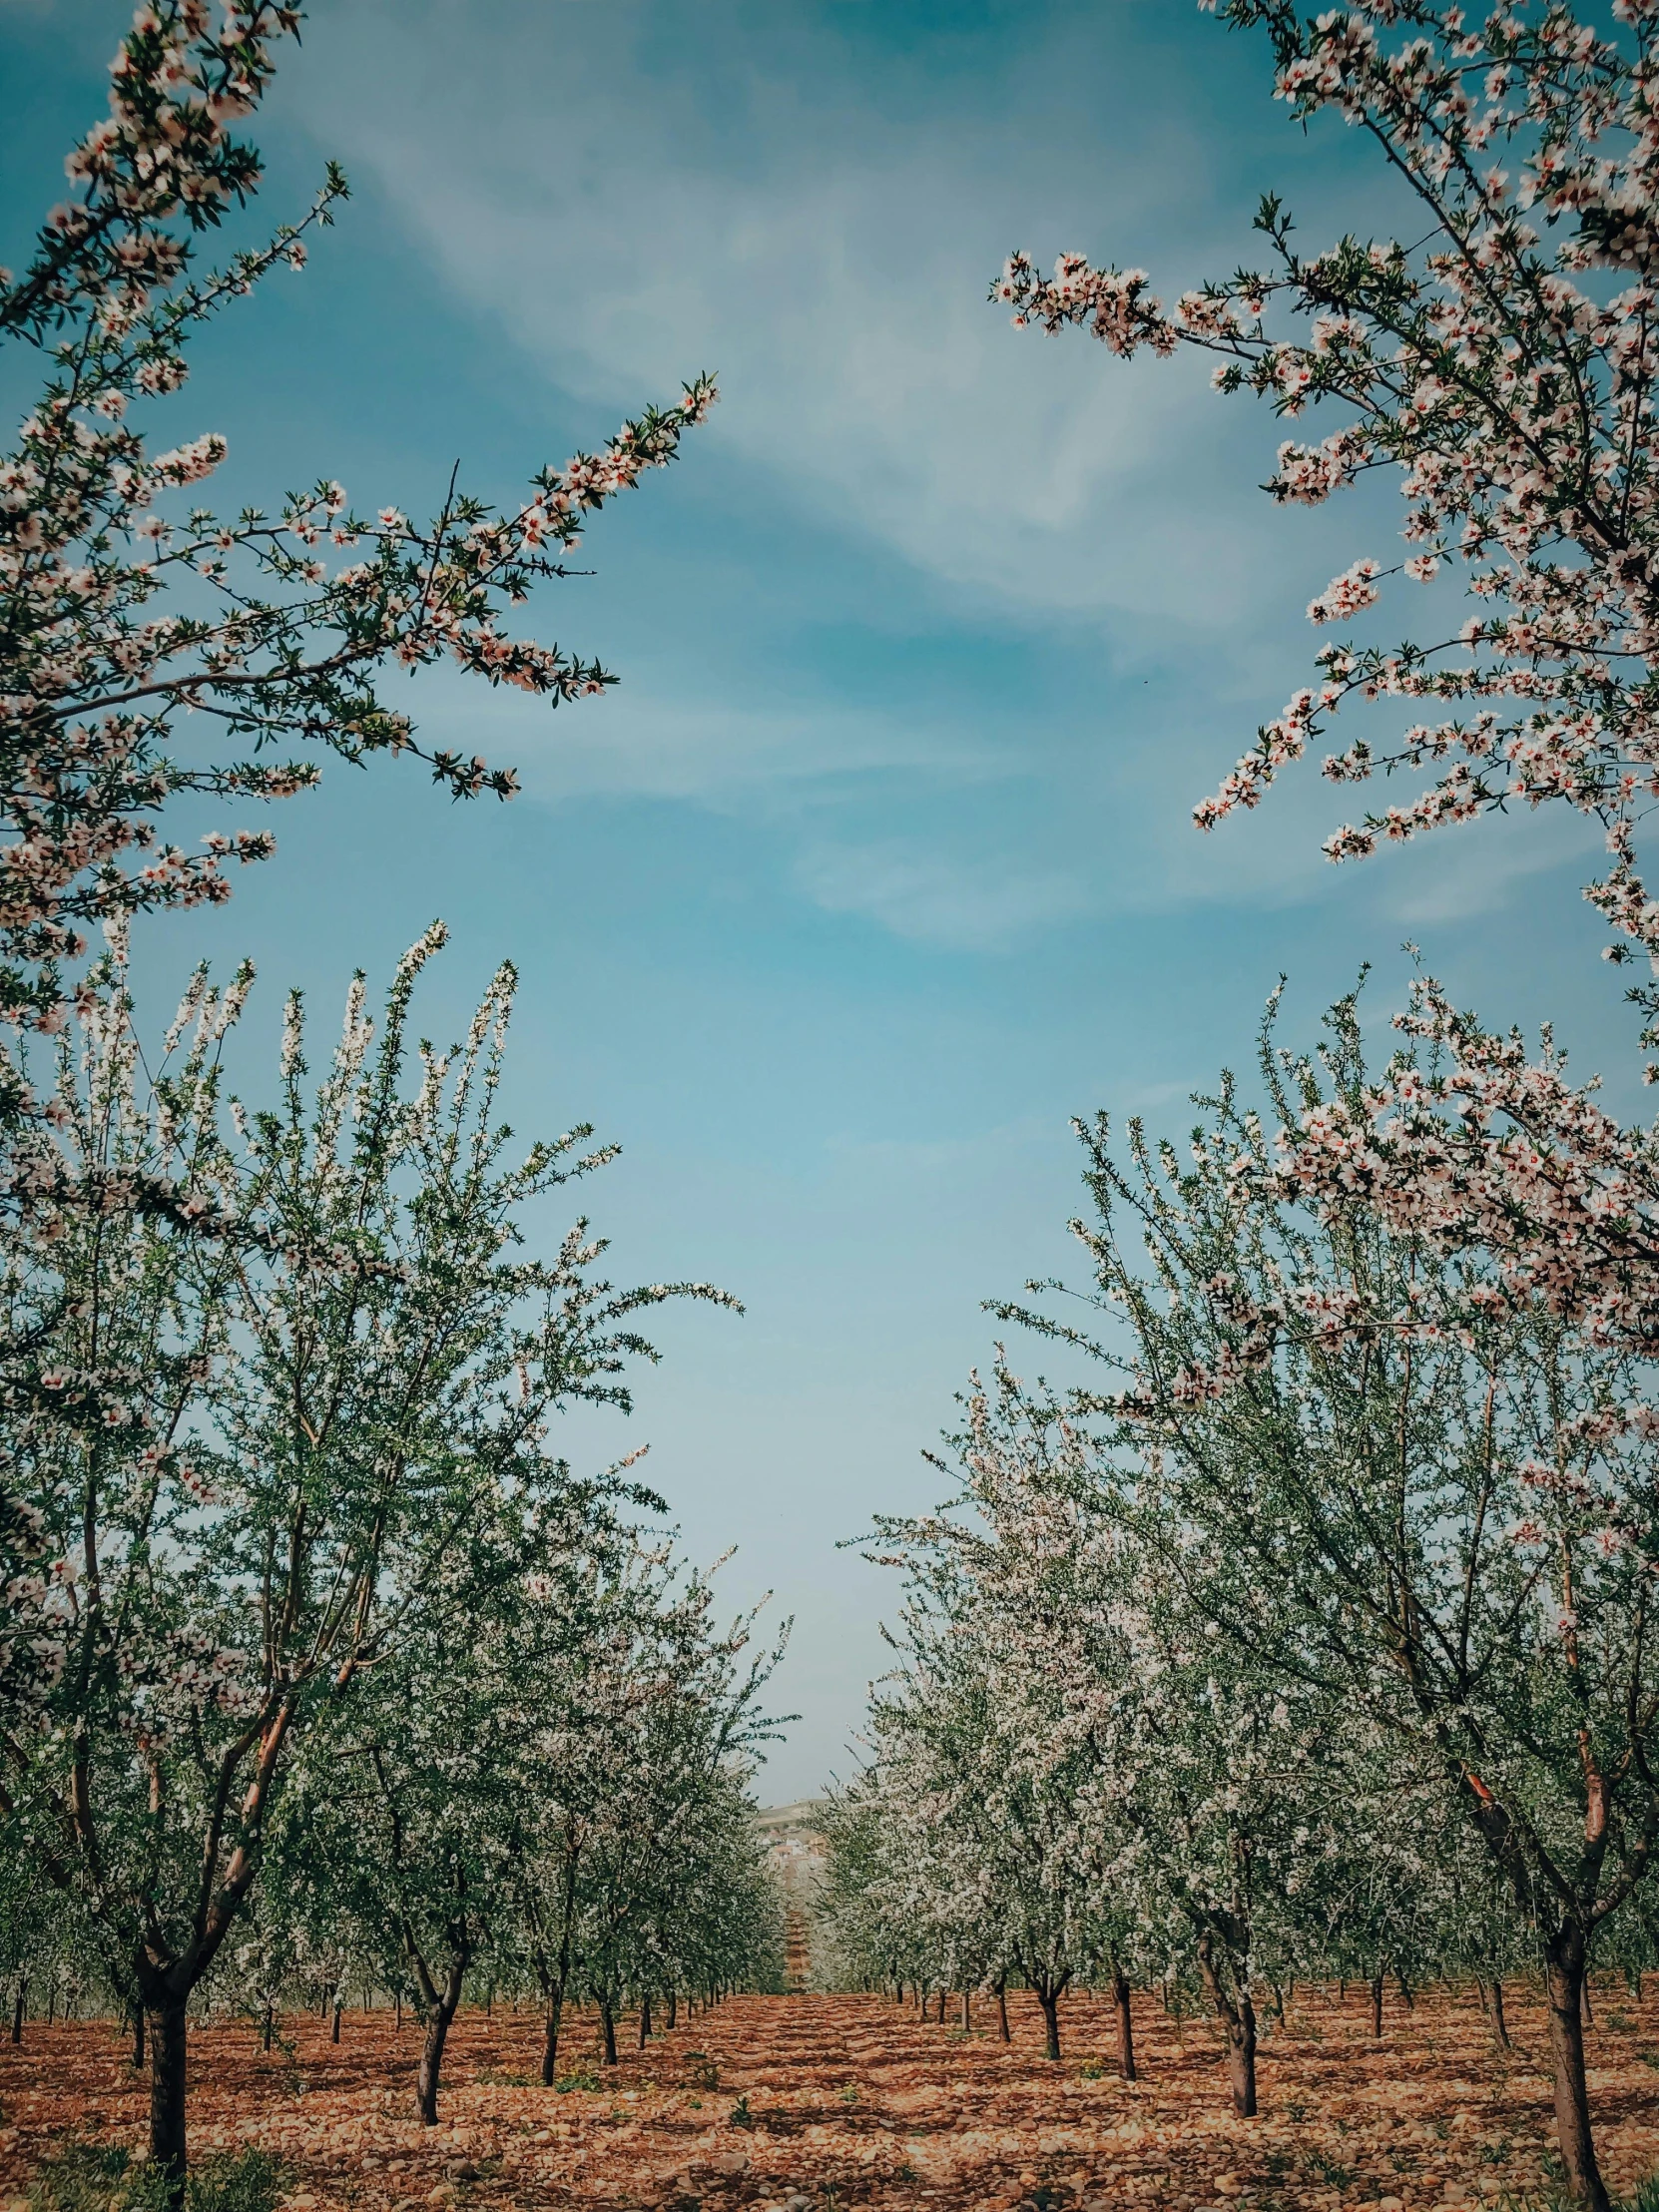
803,1816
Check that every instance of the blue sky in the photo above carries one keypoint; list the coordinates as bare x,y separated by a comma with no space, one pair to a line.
878,867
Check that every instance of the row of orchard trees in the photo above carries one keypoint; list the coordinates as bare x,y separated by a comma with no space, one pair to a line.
1314,1639
624,1874
316,1659
321,1666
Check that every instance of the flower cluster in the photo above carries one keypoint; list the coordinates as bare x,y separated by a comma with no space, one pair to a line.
1499,1152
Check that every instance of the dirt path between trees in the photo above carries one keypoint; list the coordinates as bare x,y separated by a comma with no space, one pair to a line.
828,2103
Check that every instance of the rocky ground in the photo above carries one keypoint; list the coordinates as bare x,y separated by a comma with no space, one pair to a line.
828,2103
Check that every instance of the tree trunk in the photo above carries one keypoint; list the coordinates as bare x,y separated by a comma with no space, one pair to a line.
167,2096
674,2008
1049,2000
645,2018
1002,2035
1241,2060
398,2001
967,2015
607,2028
1501,2027
1565,1982
334,2025
431,2064
1236,2015
1126,2024
1405,1992
17,2011
441,2010
1377,2002
550,2039
138,2038
265,2028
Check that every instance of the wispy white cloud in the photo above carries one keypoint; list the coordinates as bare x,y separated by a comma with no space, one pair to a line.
648,742
745,204
938,900
831,263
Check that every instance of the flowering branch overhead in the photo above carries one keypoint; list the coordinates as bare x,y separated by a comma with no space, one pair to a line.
1508,377
253,630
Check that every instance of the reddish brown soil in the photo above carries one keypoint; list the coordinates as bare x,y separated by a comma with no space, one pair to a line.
851,2101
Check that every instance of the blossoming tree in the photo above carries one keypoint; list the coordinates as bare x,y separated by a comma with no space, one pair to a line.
263,1453
1381,1481
1116,1793
542,1785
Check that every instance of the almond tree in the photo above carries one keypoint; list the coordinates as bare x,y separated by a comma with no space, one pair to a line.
584,1731
1176,1779
1025,1757
861,1939
1383,1482
921,1891
1226,1758
1389,1886
31,1935
439,1806
1212,1809
679,1767
979,1774
723,1923
413,1787
259,1452
331,1949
